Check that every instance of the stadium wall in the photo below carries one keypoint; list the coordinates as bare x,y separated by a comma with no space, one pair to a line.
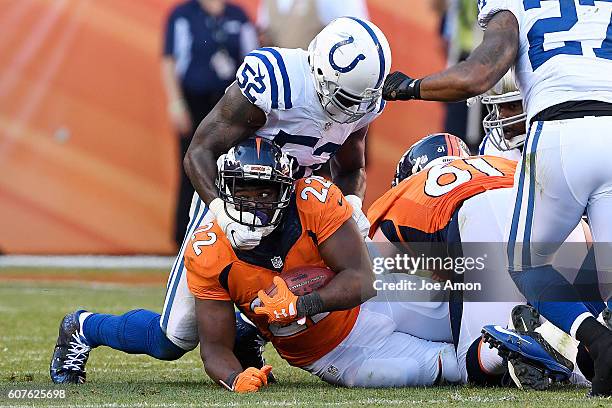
88,162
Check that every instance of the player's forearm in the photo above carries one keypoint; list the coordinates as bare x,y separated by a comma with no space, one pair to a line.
220,363
348,289
474,76
350,182
458,83
200,165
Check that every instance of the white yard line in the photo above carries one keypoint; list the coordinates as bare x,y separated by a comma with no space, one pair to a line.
87,261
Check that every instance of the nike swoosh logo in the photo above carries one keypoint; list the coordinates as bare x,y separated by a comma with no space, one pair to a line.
501,329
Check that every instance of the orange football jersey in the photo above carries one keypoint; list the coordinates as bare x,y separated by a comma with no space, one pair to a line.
217,271
426,201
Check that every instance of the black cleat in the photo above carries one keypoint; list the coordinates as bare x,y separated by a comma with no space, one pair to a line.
70,354
249,346
525,318
601,352
607,318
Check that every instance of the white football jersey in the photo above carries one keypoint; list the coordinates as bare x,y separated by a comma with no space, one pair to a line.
565,50
487,148
279,82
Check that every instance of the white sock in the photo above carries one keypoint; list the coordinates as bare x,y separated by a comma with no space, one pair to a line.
82,317
490,362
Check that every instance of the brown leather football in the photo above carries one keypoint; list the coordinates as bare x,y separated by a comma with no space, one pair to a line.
304,279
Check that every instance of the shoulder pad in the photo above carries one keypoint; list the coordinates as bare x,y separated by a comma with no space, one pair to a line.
263,79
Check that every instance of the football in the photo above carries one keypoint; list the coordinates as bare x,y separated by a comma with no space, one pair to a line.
304,279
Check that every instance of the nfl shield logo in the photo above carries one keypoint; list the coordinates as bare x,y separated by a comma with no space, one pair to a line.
277,262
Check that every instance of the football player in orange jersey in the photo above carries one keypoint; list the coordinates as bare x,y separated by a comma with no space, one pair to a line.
442,195
330,332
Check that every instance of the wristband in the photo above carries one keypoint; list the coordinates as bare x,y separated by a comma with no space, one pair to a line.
413,90
309,304
229,381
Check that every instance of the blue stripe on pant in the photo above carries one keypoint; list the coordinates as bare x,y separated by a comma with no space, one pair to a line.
179,265
547,290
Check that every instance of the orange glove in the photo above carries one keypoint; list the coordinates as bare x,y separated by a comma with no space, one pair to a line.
251,379
280,308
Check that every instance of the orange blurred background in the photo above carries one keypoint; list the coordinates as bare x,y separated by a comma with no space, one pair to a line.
87,155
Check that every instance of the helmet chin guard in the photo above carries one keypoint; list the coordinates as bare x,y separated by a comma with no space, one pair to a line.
349,60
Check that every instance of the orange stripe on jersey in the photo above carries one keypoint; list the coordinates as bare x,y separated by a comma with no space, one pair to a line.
427,200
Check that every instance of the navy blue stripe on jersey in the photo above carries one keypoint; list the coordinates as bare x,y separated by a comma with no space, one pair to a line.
284,75
381,54
282,138
271,74
531,197
383,103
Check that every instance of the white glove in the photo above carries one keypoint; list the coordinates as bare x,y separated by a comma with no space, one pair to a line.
239,235
360,218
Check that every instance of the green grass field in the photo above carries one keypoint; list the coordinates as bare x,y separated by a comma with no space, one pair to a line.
30,311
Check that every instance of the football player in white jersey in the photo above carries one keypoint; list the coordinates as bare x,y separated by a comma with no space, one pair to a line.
316,105
561,52
505,123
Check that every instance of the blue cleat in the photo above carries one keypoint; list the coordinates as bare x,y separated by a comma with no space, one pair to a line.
532,362
71,352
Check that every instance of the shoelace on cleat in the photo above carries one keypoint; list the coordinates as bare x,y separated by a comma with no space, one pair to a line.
77,354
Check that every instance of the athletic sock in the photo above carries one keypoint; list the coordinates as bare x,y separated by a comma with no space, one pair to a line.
483,364
135,332
553,296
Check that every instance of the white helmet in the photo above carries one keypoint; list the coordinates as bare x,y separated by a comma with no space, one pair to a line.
504,91
349,60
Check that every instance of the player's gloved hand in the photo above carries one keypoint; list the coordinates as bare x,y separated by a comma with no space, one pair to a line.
280,308
251,379
239,235
360,218
399,86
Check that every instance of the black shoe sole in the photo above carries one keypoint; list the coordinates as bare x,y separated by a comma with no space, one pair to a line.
525,319
529,372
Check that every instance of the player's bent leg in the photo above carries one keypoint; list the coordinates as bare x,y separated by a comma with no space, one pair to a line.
486,366
135,332
411,312
178,316
406,361
374,355
545,211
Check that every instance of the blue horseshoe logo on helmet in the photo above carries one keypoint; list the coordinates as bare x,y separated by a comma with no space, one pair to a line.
350,66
